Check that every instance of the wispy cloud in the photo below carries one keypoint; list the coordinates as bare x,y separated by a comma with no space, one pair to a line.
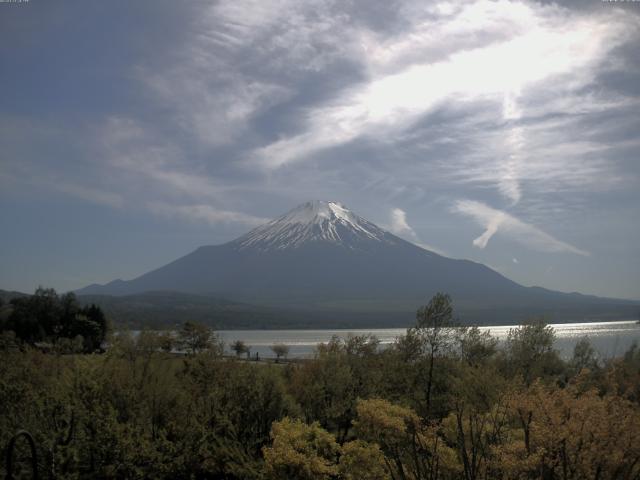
498,221
400,227
239,60
90,194
22,176
171,187
205,213
561,152
543,44
130,147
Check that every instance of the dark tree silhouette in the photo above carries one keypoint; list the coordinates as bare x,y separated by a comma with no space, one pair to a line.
47,317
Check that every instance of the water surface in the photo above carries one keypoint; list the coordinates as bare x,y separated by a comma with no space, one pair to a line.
610,339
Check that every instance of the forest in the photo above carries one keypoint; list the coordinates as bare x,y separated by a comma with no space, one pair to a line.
444,401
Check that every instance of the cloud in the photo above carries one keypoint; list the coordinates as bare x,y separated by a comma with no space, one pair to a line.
400,227
138,151
23,175
399,223
238,90
543,45
498,221
205,213
293,36
239,59
562,151
90,194
214,110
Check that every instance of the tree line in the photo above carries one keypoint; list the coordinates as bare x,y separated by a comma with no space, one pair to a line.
53,321
444,401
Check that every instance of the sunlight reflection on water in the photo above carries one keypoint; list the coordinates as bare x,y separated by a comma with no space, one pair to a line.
610,339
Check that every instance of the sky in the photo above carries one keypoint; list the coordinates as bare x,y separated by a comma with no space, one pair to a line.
502,132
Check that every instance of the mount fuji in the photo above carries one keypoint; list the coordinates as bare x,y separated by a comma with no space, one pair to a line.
320,257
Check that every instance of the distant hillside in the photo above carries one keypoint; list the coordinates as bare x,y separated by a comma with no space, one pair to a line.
166,309
7,295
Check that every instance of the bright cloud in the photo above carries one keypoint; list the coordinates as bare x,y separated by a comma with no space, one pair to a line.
495,221
400,227
212,93
544,44
399,223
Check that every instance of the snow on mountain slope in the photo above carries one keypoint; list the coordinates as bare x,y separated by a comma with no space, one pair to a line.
322,257
316,221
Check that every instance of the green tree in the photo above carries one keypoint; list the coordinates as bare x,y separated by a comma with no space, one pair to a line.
167,341
99,327
413,449
584,356
563,433
476,347
45,316
408,346
300,452
530,351
326,388
477,417
281,350
35,318
196,337
624,374
239,347
362,461
436,329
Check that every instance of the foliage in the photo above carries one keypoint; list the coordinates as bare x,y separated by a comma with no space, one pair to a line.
362,461
477,418
413,448
559,433
197,337
300,452
58,320
584,357
280,349
436,331
164,406
240,347
530,352
476,347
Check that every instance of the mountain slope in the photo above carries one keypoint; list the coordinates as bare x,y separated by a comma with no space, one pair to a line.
322,257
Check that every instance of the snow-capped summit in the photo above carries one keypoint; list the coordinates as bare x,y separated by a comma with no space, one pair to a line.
322,259
318,211
315,221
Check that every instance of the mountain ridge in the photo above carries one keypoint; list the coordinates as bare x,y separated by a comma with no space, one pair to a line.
321,256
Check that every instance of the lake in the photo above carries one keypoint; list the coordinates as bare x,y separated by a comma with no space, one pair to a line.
610,339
